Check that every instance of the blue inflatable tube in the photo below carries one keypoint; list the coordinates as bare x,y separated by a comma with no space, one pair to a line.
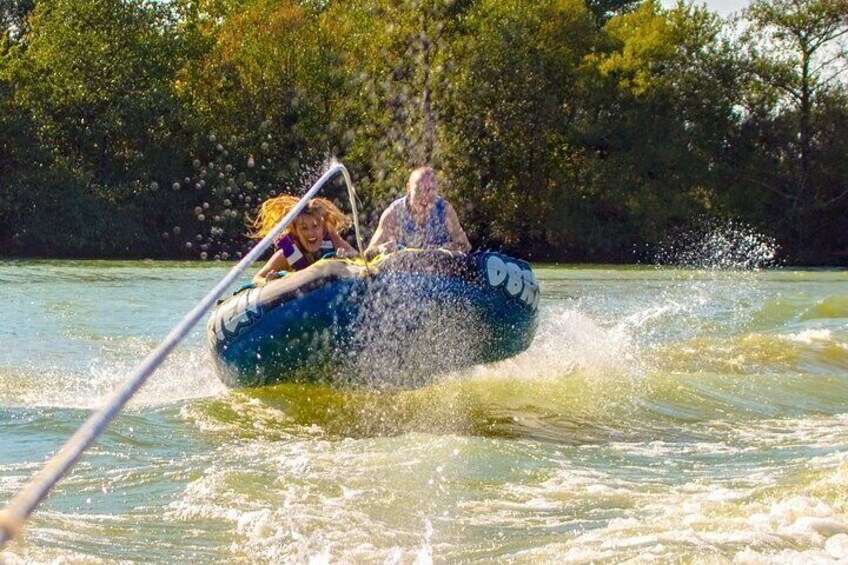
397,323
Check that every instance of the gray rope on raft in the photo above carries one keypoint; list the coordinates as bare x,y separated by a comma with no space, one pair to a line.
21,506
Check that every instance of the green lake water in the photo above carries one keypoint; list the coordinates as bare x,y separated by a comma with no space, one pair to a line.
660,416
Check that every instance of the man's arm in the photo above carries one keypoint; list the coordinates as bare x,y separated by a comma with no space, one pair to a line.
459,241
384,236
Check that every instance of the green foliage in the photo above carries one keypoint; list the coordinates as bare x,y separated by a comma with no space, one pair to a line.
269,62
796,51
393,77
577,129
96,76
662,97
506,116
263,90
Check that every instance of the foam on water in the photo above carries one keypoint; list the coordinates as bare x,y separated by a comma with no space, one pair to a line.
364,519
186,375
810,336
751,514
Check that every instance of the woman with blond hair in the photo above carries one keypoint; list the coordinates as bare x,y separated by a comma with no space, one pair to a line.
312,234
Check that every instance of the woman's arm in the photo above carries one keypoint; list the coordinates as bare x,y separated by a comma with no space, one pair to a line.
276,263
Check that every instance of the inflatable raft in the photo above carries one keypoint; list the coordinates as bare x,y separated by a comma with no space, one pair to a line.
410,316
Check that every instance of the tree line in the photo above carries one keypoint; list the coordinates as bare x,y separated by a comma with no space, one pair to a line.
568,130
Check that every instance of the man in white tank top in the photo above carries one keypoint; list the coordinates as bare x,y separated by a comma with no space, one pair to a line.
420,219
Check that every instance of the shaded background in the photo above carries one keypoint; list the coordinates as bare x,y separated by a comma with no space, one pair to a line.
565,130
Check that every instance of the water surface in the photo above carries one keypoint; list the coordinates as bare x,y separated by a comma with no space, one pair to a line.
661,415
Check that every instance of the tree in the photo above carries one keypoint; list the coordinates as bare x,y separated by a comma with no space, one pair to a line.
798,49
395,73
95,77
660,106
507,110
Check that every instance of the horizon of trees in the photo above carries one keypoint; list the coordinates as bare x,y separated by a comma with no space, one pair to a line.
576,130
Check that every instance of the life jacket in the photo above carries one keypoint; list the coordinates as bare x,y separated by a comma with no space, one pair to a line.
433,233
294,256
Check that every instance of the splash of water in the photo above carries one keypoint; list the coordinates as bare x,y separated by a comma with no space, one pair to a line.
717,246
230,180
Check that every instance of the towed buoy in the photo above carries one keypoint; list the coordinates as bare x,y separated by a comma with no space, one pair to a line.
412,315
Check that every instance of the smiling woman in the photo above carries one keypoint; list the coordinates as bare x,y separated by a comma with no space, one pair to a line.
313,234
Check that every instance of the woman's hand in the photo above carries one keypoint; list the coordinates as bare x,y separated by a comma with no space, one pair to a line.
268,277
343,253
382,249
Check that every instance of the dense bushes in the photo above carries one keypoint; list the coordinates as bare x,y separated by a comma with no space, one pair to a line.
564,129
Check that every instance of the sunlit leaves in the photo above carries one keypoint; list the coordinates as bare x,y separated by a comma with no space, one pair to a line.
509,104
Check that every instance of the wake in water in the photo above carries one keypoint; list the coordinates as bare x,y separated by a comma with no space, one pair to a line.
186,375
599,367
661,415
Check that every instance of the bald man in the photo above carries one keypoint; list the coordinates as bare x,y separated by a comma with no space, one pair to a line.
421,219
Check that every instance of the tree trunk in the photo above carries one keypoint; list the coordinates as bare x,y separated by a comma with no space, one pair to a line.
804,201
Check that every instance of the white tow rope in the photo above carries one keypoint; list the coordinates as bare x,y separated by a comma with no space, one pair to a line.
22,505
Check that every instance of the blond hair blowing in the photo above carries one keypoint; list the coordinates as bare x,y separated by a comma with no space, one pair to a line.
274,209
